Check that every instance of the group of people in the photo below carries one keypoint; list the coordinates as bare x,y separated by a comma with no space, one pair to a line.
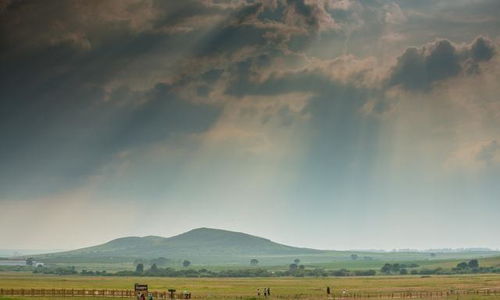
142,296
265,291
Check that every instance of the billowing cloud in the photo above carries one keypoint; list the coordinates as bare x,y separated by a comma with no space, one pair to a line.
420,68
482,49
68,143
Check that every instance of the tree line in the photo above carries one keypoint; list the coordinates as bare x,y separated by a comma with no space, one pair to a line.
472,266
295,269
171,272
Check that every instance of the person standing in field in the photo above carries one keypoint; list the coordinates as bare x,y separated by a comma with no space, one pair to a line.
268,291
328,290
258,292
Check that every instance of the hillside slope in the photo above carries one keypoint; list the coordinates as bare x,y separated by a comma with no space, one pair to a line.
201,244
206,246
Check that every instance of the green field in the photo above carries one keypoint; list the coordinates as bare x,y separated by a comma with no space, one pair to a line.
284,288
349,264
423,263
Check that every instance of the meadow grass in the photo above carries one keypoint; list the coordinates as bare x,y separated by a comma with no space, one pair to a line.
304,288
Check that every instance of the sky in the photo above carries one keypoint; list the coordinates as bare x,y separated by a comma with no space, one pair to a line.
331,124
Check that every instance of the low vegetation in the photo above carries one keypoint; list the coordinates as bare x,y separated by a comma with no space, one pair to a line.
294,270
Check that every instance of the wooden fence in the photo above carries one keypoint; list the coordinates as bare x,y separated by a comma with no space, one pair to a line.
165,295
77,293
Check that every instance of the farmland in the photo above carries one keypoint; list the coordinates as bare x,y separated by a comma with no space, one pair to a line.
284,288
353,265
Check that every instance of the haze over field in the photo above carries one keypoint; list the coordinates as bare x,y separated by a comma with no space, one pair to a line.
326,124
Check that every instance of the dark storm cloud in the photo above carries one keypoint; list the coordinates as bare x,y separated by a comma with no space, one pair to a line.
162,114
482,49
230,39
306,11
58,124
420,68
61,118
417,70
57,140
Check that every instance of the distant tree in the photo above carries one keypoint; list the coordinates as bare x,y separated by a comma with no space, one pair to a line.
473,264
433,254
296,261
29,261
154,268
386,269
186,263
403,271
139,268
462,266
395,268
293,267
254,262
302,267
354,256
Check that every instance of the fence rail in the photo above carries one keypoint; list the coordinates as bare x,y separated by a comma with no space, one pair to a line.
77,293
165,295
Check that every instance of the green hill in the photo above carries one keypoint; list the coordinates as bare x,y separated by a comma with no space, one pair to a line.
205,246
202,244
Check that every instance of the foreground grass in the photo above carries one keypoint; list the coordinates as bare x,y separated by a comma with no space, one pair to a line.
461,297
243,288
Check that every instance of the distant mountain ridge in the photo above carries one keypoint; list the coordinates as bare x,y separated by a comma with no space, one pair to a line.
201,243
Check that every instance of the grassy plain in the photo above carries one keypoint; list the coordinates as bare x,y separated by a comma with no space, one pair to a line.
423,264
360,264
284,288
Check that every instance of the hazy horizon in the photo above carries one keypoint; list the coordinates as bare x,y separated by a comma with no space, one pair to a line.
28,251
328,124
